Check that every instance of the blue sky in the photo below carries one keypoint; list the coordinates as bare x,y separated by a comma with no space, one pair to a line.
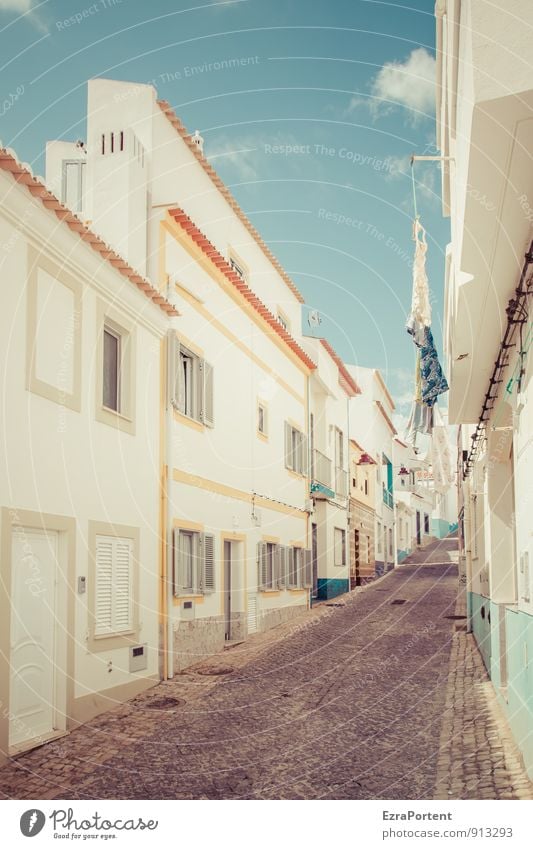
312,128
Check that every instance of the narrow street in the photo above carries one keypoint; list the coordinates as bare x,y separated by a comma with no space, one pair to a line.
356,700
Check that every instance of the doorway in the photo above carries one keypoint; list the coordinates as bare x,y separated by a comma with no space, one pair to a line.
357,544
314,558
35,619
418,528
227,589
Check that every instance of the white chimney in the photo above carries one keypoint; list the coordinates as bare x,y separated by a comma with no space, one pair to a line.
198,140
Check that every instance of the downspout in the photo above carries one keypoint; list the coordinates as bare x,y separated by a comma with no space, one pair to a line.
169,530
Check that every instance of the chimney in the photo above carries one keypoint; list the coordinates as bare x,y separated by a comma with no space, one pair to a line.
198,140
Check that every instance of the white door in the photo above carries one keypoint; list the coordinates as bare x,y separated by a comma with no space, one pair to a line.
33,622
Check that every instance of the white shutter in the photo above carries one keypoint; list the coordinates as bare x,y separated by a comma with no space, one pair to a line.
113,585
103,604
179,565
208,545
289,460
172,368
208,409
308,568
276,566
262,572
252,613
123,585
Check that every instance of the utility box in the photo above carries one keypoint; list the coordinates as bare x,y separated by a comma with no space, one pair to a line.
138,658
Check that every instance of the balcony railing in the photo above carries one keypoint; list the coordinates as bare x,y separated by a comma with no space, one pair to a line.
387,498
341,482
320,468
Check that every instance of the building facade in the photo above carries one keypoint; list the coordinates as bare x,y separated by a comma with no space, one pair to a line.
362,516
82,339
484,104
371,425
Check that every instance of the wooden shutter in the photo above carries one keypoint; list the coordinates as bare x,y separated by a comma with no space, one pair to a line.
172,344
123,585
198,389
262,572
103,605
180,587
276,565
208,410
208,546
308,568
289,459
283,563
113,585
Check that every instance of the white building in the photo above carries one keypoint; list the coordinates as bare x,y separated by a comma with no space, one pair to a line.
371,425
484,109
81,337
246,392
414,499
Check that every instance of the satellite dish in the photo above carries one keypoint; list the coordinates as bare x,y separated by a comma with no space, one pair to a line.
314,318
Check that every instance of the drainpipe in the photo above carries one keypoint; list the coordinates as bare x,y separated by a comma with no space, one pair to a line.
169,531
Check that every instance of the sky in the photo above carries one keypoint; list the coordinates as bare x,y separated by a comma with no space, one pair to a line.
310,112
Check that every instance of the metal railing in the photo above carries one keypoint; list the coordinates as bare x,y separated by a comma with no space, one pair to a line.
320,468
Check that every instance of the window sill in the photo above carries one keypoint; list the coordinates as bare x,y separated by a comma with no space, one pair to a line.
194,424
107,416
270,591
297,475
262,436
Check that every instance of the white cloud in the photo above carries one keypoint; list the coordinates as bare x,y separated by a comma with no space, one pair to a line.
238,154
410,84
16,5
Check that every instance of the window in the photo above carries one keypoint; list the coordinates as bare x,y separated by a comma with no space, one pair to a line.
262,425
194,562
339,547
379,537
295,450
191,383
354,482
366,486
73,184
390,542
111,370
426,523
113,586
282,566
238,268
283,320
115,381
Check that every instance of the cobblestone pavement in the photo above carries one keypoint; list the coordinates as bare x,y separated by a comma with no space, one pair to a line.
379,697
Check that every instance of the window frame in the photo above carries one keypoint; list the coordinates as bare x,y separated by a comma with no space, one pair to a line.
298,449
199,406
202,584
111,320
342,532
262,407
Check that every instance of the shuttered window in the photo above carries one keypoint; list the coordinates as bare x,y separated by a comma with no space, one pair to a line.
194,562
113,585
267,565
190,383
295,450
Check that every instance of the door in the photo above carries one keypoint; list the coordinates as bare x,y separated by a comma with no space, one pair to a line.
314,558
33,624
357,575
418,529
227,589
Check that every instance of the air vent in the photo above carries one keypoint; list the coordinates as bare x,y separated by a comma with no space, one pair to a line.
138,658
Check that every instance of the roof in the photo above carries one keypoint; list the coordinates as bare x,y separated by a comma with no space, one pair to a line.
345,379
220,263
381,408
223,189
22,175
384,387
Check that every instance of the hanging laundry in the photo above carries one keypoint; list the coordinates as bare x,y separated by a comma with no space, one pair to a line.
443,472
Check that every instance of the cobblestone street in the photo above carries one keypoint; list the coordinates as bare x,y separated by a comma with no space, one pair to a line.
381,695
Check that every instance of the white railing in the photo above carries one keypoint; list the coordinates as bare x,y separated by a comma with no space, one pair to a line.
321,468
341,482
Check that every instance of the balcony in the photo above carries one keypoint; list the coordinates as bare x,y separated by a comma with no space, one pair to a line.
387,497
321,475
341,482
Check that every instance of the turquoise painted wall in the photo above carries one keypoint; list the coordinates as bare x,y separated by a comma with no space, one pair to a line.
517,699
440,528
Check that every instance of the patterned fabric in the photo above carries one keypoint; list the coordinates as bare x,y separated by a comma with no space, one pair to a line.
420,306
433,381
